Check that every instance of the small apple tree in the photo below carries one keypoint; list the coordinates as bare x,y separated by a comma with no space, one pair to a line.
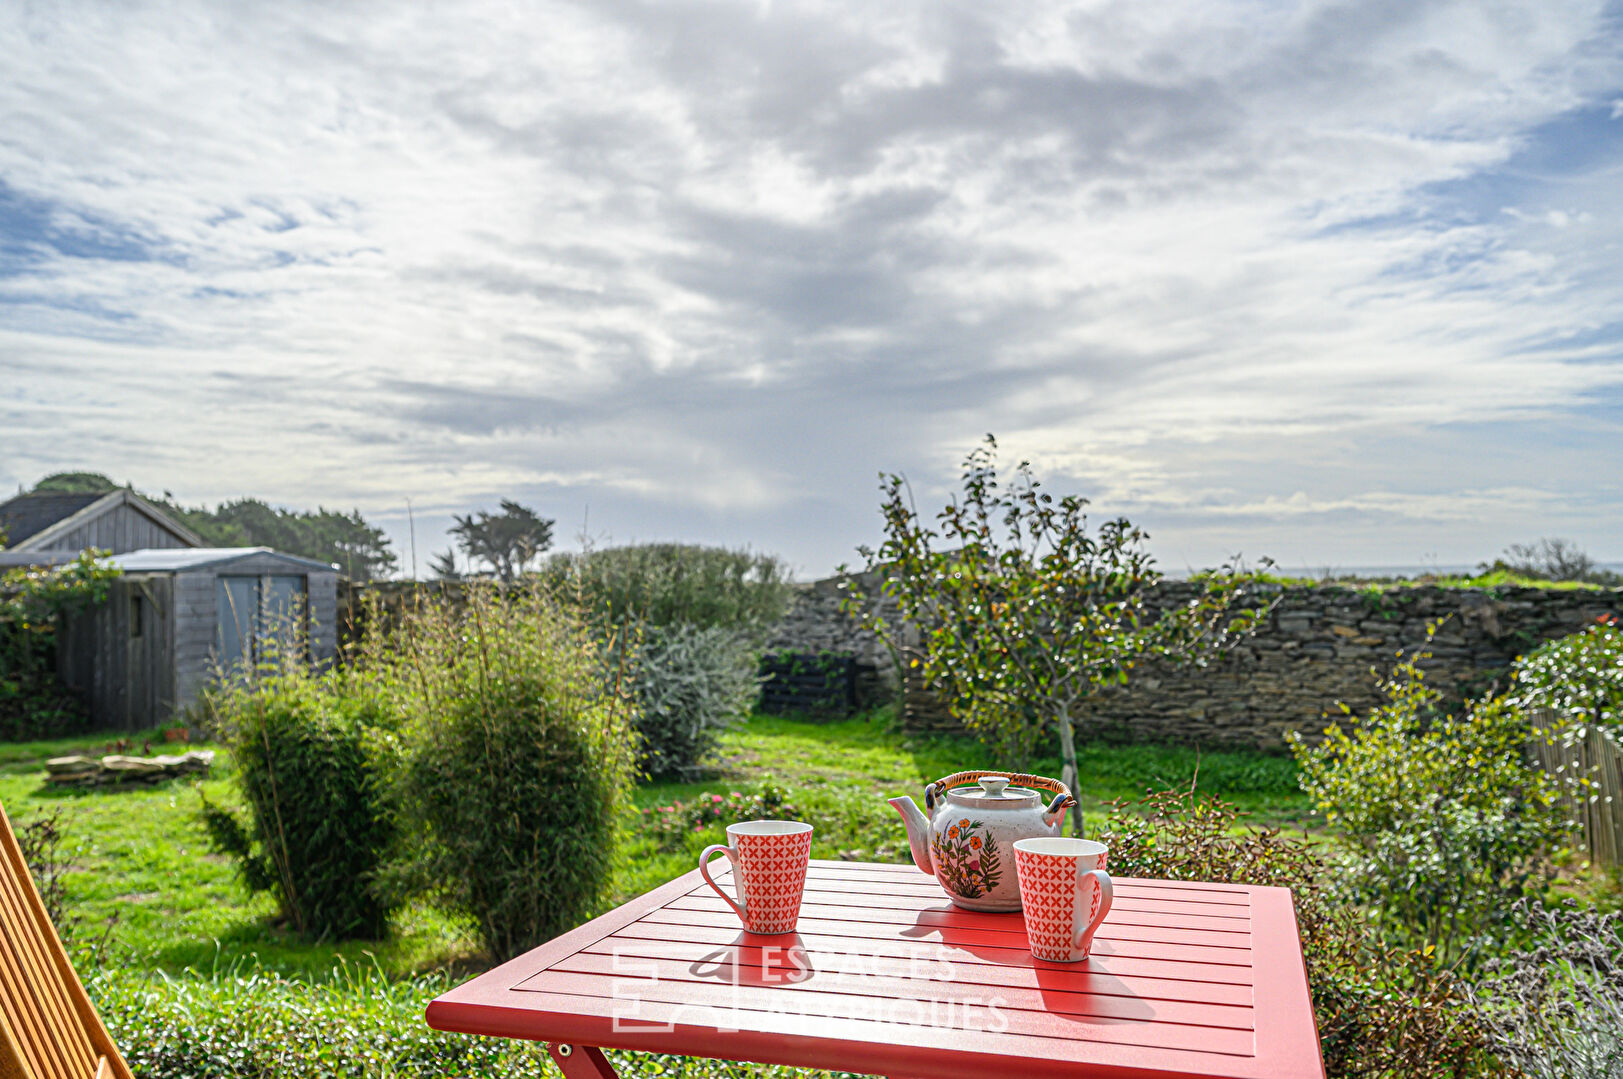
1016,614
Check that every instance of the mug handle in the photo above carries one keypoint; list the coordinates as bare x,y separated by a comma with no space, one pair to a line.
1082,933
704,871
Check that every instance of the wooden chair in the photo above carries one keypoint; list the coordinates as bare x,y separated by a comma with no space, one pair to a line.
48,1027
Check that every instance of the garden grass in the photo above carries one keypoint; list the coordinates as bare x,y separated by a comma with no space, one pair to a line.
14,754
141,854
841,773
1491,579
190,948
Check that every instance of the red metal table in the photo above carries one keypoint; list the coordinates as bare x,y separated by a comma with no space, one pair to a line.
885,976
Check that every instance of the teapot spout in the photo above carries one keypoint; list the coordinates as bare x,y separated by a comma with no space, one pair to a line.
1054,815
918,832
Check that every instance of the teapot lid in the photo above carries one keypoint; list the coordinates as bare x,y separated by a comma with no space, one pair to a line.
993,792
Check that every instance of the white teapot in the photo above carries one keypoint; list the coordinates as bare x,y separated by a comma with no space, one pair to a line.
967,841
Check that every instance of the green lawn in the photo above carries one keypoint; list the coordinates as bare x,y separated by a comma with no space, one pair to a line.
842,773
141,856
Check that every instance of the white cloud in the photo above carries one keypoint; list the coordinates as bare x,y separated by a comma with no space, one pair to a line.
713,265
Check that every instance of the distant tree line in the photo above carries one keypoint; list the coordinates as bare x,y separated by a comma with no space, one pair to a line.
360,550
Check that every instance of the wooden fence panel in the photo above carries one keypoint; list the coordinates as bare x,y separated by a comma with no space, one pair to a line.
1591,772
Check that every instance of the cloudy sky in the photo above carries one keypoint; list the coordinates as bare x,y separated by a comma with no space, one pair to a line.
1339,283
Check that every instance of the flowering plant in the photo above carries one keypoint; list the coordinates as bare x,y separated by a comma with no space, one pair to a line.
1576,680
671,825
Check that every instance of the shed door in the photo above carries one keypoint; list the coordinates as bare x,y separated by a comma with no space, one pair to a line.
282,614
258,612
238,602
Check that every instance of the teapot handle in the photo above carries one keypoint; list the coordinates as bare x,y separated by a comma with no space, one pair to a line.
934,791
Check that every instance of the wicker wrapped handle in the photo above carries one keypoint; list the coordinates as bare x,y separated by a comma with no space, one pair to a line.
933,793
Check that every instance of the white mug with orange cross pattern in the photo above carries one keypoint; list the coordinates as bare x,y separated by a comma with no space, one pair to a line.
1065,894
769,872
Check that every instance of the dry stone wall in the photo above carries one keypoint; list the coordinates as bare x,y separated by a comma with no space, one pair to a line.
816,624
1322,645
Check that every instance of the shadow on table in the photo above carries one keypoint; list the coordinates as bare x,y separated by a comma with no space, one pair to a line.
1066,988
757,960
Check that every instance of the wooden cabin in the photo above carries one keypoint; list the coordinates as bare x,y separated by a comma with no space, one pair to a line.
177,618
50,529
178,615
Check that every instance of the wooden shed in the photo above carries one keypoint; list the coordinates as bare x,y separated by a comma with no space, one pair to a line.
178,616
49,529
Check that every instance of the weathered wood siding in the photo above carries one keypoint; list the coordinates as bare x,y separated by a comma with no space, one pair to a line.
134,682
1590,771
323,593
197,611
120,529
196,628
118,654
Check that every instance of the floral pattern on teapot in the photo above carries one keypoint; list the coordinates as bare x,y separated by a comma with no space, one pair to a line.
966,863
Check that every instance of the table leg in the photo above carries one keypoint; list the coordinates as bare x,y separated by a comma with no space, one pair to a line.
581,1061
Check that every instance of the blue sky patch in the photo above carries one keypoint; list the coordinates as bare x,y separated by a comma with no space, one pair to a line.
1576,143
28,225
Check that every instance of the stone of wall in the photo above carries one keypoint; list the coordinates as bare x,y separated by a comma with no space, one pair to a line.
1320,646
1328,644
815,623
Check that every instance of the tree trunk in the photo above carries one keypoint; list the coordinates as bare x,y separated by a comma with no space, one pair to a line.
1069,776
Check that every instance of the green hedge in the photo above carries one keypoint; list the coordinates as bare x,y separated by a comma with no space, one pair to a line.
317,835
667,584
686,622
257,1024
354,1024
512,764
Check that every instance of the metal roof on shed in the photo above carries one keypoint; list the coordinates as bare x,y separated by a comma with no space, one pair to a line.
180,559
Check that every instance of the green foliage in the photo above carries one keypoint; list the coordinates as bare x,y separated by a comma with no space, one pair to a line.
507,542
1446,822
690,683
359,550
1380,1011
665,584
1552,559
1502,578
317,834
1022,612
513,762
1579,678
247,1022
75,483
32,597
33,704
685,622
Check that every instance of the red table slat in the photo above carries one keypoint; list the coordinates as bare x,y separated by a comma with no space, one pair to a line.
885,976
